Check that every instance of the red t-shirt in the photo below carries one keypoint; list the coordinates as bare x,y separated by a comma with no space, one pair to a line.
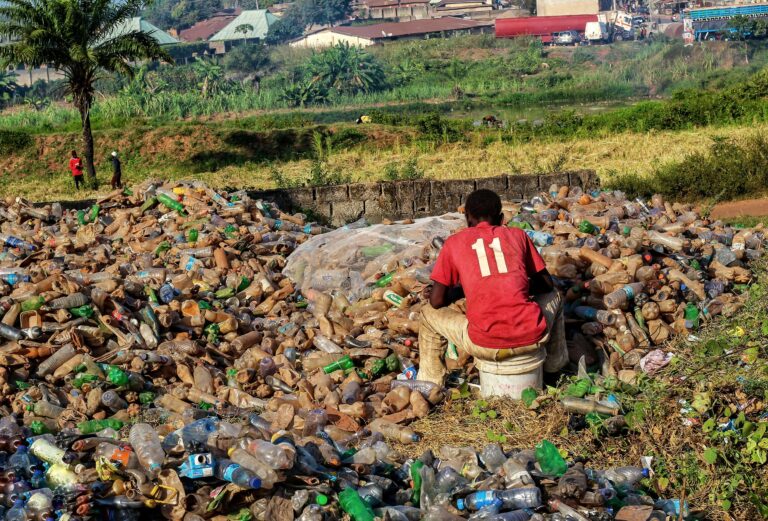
492,264
76,166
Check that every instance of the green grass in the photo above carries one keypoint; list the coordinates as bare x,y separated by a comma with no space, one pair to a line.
478,70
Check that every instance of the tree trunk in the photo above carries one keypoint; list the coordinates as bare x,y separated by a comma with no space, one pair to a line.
85,118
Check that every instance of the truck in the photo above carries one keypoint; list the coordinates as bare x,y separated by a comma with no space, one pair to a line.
707,22
596,32
542,26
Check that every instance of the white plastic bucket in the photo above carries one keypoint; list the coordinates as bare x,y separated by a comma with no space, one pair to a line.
512,376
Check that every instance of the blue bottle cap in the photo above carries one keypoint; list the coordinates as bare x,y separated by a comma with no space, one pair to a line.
255,483
460,504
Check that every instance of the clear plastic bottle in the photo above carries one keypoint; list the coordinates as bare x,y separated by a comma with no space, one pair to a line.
604,317
493,457
280,456
249,461
146,445
394,431
326,345
228,470
513,498
622,296
113,401
516,474
17,512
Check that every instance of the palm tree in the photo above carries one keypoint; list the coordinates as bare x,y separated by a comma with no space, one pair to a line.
245,29
347,69
82,39
7,85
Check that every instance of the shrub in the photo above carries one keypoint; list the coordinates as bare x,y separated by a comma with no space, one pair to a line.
12,141
728,170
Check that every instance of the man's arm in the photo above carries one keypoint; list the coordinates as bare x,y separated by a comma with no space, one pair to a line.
440,295
541,283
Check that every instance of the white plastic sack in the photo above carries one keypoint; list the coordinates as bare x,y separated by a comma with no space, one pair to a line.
350,258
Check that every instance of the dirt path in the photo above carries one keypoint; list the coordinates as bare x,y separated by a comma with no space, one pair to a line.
750,207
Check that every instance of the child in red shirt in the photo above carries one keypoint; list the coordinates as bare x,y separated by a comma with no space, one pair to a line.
512,307
76,167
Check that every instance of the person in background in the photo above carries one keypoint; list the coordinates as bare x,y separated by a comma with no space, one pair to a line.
117,171
512,307
76,167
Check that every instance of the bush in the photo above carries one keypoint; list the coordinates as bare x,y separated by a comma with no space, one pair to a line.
726,171
13,141
409,171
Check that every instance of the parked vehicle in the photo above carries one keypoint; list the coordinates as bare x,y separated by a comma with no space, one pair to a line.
566,38
597,32
541,26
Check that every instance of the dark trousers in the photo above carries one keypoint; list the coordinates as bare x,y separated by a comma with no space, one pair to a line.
78,179
116,182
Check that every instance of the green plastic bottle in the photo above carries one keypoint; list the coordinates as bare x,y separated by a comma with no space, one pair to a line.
192,235
230,231
116,376
377,367
146,397
84,379
550,460
393,363
386,280
415,471
587,227
91,426
38,428
691,316
343,363
33,303
81,217
149,203
225,293
171,203
85,311
244,283
94,213
162,248
353,504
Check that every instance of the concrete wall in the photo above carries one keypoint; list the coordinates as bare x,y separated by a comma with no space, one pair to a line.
403,199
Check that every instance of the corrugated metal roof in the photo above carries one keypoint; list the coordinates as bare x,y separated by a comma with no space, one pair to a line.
259,19
137,24
412,28
393,3
206,28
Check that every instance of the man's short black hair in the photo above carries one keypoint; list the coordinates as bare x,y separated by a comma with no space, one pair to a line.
483,204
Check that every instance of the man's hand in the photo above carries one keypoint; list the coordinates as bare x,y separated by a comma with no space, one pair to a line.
426,293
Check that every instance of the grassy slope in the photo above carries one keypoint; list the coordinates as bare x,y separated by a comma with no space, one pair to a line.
227,157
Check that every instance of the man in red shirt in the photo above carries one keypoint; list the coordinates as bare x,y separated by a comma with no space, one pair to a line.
512,308
76,167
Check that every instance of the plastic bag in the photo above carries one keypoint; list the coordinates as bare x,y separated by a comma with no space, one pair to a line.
350,259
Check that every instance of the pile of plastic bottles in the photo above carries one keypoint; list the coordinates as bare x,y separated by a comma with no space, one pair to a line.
157,362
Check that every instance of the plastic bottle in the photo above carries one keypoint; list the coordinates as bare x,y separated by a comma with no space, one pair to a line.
343,364
587,313
351,503
394,431
571,514
621,297
230,471
585,406
315,422
244,458
516,498
45,450
92,426
549,459
516,474
17,512
280,455
671,243
691,316
45,408
146,444
327,345
113,401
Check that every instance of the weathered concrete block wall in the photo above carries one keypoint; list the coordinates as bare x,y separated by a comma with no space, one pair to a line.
402,199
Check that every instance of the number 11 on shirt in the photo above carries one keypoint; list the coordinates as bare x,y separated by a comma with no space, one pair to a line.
482,256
